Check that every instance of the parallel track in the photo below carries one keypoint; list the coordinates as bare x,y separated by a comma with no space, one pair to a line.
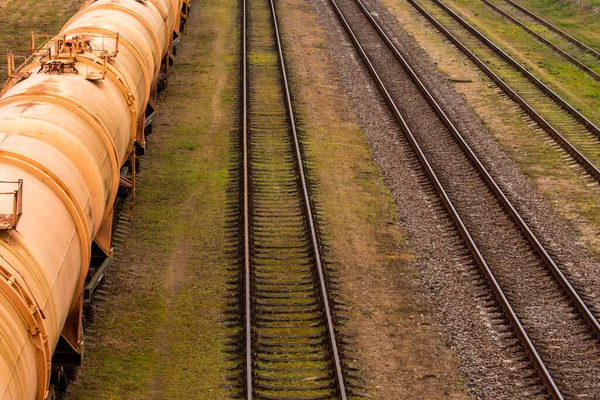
536,297
554,28
516,16
572,131
291,349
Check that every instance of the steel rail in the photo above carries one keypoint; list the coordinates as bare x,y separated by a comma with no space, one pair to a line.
548,25
564,143
339,376
515,322
593,74
542,86
247,272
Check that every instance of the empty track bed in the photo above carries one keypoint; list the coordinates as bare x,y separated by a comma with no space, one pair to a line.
289,338
573,132
548,317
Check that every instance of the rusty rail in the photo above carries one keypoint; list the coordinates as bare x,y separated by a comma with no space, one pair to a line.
549,92
246,190
339,376
547,24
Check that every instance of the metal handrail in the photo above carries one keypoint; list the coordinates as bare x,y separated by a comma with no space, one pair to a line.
17,207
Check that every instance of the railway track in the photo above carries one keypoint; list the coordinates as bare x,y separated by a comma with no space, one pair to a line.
290,343
551,320
569,129
554,28
576,52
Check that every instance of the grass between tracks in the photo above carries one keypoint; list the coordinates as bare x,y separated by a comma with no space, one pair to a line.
562,186
403,357
21,17
161,332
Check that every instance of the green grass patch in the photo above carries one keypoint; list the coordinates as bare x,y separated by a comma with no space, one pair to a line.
20,18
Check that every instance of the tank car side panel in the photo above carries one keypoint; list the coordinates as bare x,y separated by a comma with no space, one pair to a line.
16,353
44,258
82,146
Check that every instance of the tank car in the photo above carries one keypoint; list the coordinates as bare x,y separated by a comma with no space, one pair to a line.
70,117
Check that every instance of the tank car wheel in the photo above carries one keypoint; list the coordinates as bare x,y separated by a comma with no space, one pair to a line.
59,377
161,86
89,313
72,373
148,130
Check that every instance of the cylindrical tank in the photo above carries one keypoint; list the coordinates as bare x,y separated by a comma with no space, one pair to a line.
65,133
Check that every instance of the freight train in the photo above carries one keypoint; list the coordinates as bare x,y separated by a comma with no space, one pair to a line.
71,117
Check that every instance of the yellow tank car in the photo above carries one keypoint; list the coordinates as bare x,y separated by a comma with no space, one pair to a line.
70,117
